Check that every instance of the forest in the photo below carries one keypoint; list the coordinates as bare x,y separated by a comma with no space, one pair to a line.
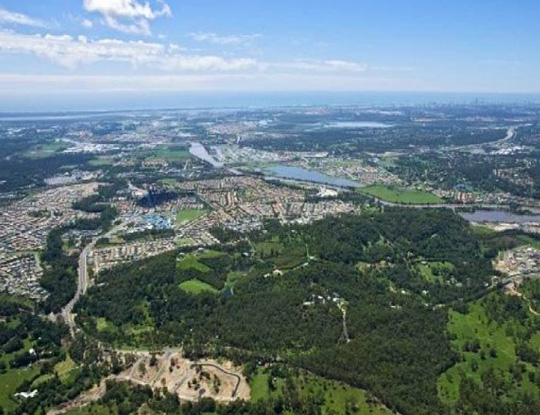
356,141
367,264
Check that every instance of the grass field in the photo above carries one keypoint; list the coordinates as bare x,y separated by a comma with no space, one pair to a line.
405,196
528,240
232,277
338,398
46,150
191,262
10,381
102,324
291,257
434,271
101,161
168,182
531,290
259,387
270,248
481,230
94,409
196,287
283,257
189,214
185,242
171,154
475,326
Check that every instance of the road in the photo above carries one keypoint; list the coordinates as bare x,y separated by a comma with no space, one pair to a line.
235,375
452,206
83,279
510,134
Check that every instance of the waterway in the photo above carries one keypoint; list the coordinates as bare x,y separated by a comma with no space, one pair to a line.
301,174
499,216
199,151
344,125
357,124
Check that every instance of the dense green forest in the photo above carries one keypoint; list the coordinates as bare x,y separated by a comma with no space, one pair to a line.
397,273
355,141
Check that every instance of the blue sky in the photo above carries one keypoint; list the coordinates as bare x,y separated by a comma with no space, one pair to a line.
107,46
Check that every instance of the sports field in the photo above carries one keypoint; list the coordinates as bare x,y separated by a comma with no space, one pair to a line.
399,195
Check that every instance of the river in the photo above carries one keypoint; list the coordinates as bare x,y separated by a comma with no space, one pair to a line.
499,216
301,174
199,151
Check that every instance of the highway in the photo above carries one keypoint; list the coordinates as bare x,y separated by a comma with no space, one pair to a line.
82,281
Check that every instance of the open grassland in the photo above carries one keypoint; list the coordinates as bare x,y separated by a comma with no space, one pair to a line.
404,196
484,346
529,240
197,287
171,154
191,262
168,182
63,368
102,324
101,162
291,258
483,231
434,271
189,214
337,398
281,256
259,386
94,409
233,277
10,381
46,150
270,248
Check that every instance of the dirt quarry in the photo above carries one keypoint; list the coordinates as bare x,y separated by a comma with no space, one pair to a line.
190,380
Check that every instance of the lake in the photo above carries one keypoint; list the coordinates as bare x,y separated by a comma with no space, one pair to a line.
357,124
199,151
498,216
347,125
301,174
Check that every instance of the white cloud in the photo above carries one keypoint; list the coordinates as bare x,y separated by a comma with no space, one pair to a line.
72,52
320,66
126,8
87,23
9,17
223,40
128,16
139,27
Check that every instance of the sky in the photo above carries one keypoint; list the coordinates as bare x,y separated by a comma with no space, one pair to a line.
83,49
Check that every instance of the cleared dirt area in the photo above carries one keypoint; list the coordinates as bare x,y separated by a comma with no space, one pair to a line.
190,380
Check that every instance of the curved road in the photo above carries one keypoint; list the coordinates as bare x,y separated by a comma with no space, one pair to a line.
82,282
235,375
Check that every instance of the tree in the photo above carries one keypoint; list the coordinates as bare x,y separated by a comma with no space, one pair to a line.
142,368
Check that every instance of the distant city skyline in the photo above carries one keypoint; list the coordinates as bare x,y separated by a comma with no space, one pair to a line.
94,49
